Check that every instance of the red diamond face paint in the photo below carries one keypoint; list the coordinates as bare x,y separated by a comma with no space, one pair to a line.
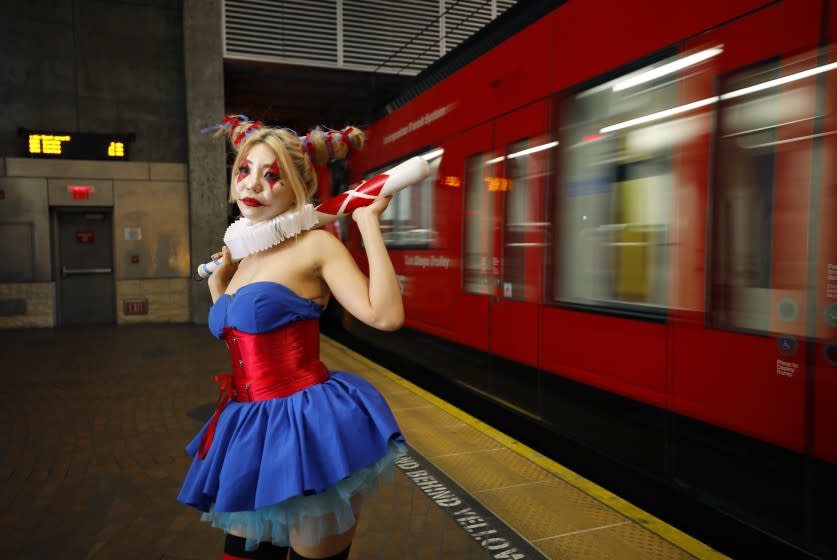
272,175
243,171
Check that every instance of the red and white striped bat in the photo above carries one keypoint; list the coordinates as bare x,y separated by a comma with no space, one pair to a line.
410,172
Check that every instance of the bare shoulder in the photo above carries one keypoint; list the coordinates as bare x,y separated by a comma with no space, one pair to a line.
322,241
321,236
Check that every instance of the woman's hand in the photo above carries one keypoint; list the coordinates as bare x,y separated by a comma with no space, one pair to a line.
374,210
220,279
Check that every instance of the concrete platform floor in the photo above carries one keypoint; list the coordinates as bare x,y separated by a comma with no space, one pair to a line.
95,420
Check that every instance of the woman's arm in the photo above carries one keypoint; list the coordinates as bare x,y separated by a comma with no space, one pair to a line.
220,279
375,300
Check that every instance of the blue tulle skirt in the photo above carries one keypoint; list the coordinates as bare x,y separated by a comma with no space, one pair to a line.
301,462
313,517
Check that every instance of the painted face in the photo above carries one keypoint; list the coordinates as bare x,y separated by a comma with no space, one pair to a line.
258,191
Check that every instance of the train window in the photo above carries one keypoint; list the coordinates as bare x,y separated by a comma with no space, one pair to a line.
743,192
524,228
408,220
479,225
614,199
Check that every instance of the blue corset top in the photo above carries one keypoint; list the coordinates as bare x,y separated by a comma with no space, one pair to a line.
260,307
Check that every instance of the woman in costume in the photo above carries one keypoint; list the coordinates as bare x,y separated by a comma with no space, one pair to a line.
284,463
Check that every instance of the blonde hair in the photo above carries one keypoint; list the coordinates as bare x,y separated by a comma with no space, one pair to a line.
296,155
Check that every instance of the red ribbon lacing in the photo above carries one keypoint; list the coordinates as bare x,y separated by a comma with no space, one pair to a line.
225,394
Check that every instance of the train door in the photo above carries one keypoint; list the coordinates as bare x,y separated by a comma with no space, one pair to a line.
479,224
517,178
85,266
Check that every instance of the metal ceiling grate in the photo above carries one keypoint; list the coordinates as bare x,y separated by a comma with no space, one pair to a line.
391,36
292,31
375,35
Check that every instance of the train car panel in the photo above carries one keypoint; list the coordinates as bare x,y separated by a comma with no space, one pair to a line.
415,270
825,284
416,125
629,32
611,353
512,76
711,384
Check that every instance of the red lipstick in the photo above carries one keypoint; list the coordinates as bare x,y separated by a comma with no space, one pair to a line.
251,202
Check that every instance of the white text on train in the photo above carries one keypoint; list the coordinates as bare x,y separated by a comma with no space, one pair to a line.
427,262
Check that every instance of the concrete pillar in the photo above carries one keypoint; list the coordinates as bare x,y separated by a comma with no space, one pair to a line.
204,67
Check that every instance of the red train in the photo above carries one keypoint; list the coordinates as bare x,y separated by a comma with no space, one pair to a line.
631,230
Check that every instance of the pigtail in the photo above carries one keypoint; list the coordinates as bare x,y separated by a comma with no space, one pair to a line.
329,145
353,137
308,147
235,127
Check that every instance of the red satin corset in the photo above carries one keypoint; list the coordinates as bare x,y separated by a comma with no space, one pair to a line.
276,363
268,365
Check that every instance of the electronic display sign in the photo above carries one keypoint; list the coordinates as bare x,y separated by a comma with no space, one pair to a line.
75,145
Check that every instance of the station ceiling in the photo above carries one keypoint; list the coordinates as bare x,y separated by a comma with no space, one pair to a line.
302,97
301,64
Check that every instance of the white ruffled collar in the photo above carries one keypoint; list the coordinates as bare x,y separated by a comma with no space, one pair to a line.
243,238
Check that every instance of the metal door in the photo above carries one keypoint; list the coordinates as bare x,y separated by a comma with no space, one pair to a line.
85,266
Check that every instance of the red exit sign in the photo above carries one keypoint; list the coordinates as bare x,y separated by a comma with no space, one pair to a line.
85,237
80,192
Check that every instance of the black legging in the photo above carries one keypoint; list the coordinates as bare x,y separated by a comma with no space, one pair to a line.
342,555
234,547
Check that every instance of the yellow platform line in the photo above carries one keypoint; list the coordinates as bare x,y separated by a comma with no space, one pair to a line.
637,515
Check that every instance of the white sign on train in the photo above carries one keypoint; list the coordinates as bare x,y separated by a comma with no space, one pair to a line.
432,261
423,120
786,369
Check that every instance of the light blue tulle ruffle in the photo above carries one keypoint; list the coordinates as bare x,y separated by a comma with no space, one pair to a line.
313,516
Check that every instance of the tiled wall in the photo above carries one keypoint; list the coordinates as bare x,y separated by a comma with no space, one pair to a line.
39,302
167,300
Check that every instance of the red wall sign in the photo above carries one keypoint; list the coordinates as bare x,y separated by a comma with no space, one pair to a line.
85,237
79,192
